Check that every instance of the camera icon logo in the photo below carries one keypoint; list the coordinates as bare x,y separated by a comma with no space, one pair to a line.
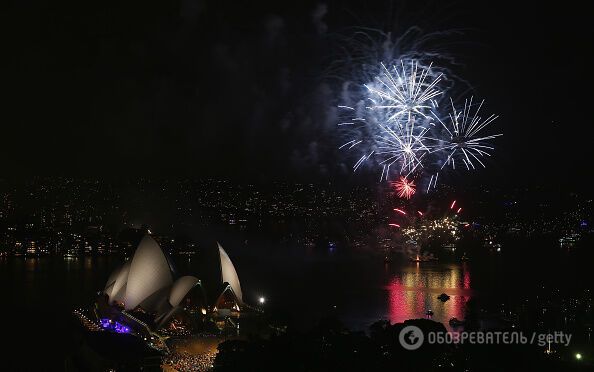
411,337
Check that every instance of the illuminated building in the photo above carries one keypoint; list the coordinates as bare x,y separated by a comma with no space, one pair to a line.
143,297
32,248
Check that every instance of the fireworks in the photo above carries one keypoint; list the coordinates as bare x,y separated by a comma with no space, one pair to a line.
465,142
400,211
442,224
404,145
445,229
405,188
404,92
400,100
398,123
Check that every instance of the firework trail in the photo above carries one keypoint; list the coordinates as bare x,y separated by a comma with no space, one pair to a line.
360,48
465,143
400,211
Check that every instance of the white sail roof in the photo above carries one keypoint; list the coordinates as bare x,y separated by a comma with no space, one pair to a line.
111,280
180,288
118,289
146,281
149,272
228,273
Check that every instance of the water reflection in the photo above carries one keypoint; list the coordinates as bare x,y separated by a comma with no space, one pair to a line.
88,263
413,290
403,291
31,264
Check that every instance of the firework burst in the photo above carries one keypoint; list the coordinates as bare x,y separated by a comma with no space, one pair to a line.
404,91
396,117
404,145
402,97
405,188
464,141
398,124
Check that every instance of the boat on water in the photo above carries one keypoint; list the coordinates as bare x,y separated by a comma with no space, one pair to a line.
455,322
443,297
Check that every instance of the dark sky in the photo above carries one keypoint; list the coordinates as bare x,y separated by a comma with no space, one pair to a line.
237,89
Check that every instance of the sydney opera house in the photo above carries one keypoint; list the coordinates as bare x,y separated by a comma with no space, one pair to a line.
145,298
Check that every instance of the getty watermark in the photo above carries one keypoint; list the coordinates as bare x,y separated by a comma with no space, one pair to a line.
412,337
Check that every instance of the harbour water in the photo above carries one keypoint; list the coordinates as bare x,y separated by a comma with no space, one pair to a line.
300,286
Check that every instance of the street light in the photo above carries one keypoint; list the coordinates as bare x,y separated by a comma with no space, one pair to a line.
578,356
261,300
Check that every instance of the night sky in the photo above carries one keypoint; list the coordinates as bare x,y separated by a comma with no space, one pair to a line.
238,89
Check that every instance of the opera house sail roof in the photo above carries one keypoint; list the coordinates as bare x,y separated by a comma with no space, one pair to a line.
117,291
180,288
146,283
149,272
228,273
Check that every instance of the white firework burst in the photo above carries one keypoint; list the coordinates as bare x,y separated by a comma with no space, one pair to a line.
404,145
464,141
404,91
397,117
398,124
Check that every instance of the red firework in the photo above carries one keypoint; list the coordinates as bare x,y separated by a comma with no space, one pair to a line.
400,211
405,188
